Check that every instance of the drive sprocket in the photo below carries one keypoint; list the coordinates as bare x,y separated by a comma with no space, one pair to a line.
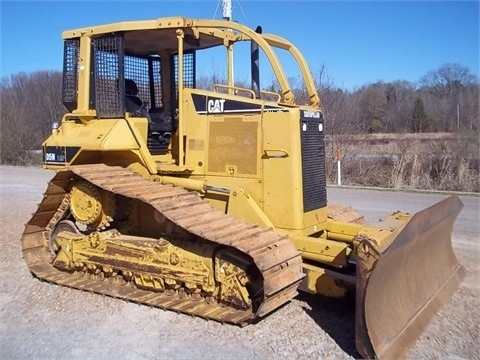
91,206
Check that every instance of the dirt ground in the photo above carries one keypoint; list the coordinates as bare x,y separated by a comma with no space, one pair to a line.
45,321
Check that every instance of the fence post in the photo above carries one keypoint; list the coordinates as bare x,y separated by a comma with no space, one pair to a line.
339,169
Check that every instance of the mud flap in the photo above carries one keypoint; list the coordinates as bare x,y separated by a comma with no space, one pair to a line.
400,288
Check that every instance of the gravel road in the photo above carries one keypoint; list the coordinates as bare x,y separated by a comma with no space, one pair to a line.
44,321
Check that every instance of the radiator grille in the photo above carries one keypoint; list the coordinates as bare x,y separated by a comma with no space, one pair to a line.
313,163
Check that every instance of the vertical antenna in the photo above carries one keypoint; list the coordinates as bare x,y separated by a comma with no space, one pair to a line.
227,10
227,15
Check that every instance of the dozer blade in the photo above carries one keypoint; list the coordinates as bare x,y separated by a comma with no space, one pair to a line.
401,286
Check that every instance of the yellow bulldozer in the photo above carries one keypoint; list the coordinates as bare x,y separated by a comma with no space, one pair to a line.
211,200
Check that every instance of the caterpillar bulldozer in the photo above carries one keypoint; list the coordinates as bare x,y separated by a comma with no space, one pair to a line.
210,199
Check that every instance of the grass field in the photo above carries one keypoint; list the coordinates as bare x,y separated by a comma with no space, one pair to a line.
433,161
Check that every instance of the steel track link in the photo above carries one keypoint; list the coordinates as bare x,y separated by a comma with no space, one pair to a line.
274,255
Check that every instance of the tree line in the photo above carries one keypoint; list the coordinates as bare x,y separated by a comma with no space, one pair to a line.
444,100
30,104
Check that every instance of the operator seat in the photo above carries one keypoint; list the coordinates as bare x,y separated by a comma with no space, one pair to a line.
132,102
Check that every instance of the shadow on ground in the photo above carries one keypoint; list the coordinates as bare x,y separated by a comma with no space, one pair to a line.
336,317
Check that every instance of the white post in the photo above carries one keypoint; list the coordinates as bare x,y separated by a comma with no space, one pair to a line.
339,169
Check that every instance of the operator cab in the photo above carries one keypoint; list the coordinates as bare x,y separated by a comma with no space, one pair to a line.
132,78
153,62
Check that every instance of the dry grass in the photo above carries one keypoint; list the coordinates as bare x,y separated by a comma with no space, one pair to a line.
413,161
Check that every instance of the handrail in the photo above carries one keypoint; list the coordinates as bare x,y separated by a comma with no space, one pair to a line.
238,88
271,93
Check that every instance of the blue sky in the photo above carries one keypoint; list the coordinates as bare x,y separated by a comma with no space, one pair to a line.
358,42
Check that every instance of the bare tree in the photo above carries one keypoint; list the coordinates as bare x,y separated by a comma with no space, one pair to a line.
30,104
419,117
373,107
400,96
448,84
